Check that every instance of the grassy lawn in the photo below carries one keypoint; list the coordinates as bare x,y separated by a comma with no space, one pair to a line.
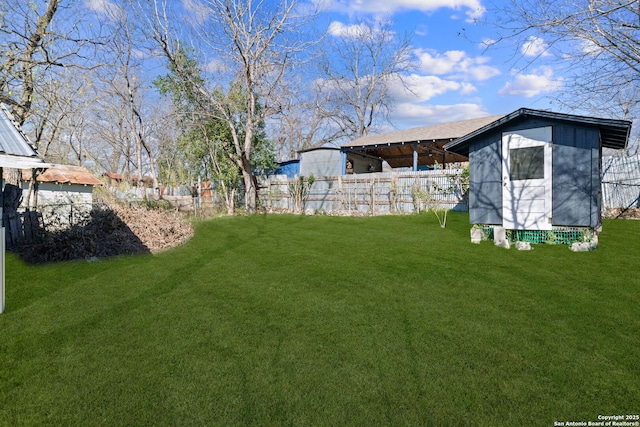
294,320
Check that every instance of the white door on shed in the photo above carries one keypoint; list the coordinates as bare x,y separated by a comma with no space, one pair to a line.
526,171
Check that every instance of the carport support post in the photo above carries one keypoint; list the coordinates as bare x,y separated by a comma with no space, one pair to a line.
1,267
343,160
415,157
2,248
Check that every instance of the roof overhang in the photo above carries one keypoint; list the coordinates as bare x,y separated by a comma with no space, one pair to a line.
613,133
22,162
427,142
401,154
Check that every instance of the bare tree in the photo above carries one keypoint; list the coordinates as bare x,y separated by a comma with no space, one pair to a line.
256,43
303,122
58,120
122,115
131,95
33,44
36,38
593,42
360,65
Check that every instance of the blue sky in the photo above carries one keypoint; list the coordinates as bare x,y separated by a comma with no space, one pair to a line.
457,76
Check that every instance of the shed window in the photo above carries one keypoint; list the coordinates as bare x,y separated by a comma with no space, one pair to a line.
526,163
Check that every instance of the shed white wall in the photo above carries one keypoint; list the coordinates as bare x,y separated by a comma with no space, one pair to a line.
51,193
63,204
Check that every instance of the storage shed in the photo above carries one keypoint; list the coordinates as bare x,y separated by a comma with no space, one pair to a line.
321,161
536,170
65,193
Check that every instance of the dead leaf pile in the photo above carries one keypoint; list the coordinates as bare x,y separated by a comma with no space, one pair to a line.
112,230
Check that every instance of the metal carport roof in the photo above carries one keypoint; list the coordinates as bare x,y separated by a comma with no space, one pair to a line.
15,149
427,142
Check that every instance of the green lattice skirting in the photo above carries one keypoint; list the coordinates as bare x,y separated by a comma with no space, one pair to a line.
555,236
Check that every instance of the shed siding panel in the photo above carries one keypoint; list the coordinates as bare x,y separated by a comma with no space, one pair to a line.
576,176
485,184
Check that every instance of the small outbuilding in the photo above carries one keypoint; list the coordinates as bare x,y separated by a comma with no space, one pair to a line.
535,170
64,193
321,161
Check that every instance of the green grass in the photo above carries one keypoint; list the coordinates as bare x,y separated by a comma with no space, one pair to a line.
294,320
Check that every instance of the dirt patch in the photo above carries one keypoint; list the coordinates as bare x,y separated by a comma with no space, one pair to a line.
622,213
111,230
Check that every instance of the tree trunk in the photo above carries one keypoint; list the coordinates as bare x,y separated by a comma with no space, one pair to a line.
32,193
249,191
12,193
11,198
230,196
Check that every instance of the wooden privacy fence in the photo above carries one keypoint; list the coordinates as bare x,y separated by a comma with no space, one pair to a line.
23,228
372,194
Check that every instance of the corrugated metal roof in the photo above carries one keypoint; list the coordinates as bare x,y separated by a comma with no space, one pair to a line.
437,132
67,174
12,140
63,174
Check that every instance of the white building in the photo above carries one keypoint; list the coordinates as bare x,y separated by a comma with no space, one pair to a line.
65,193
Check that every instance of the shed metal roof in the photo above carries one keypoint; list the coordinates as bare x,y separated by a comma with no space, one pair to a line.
68,174
613,133
12,141
306,150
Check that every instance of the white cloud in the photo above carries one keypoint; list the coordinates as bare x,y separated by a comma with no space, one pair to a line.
535,46
473,8
480,72
197,12
467,88
423,88
338,29
590,48
422,30
412,108
412,89
487,42
215,66
412,115
530,85
105,7
457,64
439,63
